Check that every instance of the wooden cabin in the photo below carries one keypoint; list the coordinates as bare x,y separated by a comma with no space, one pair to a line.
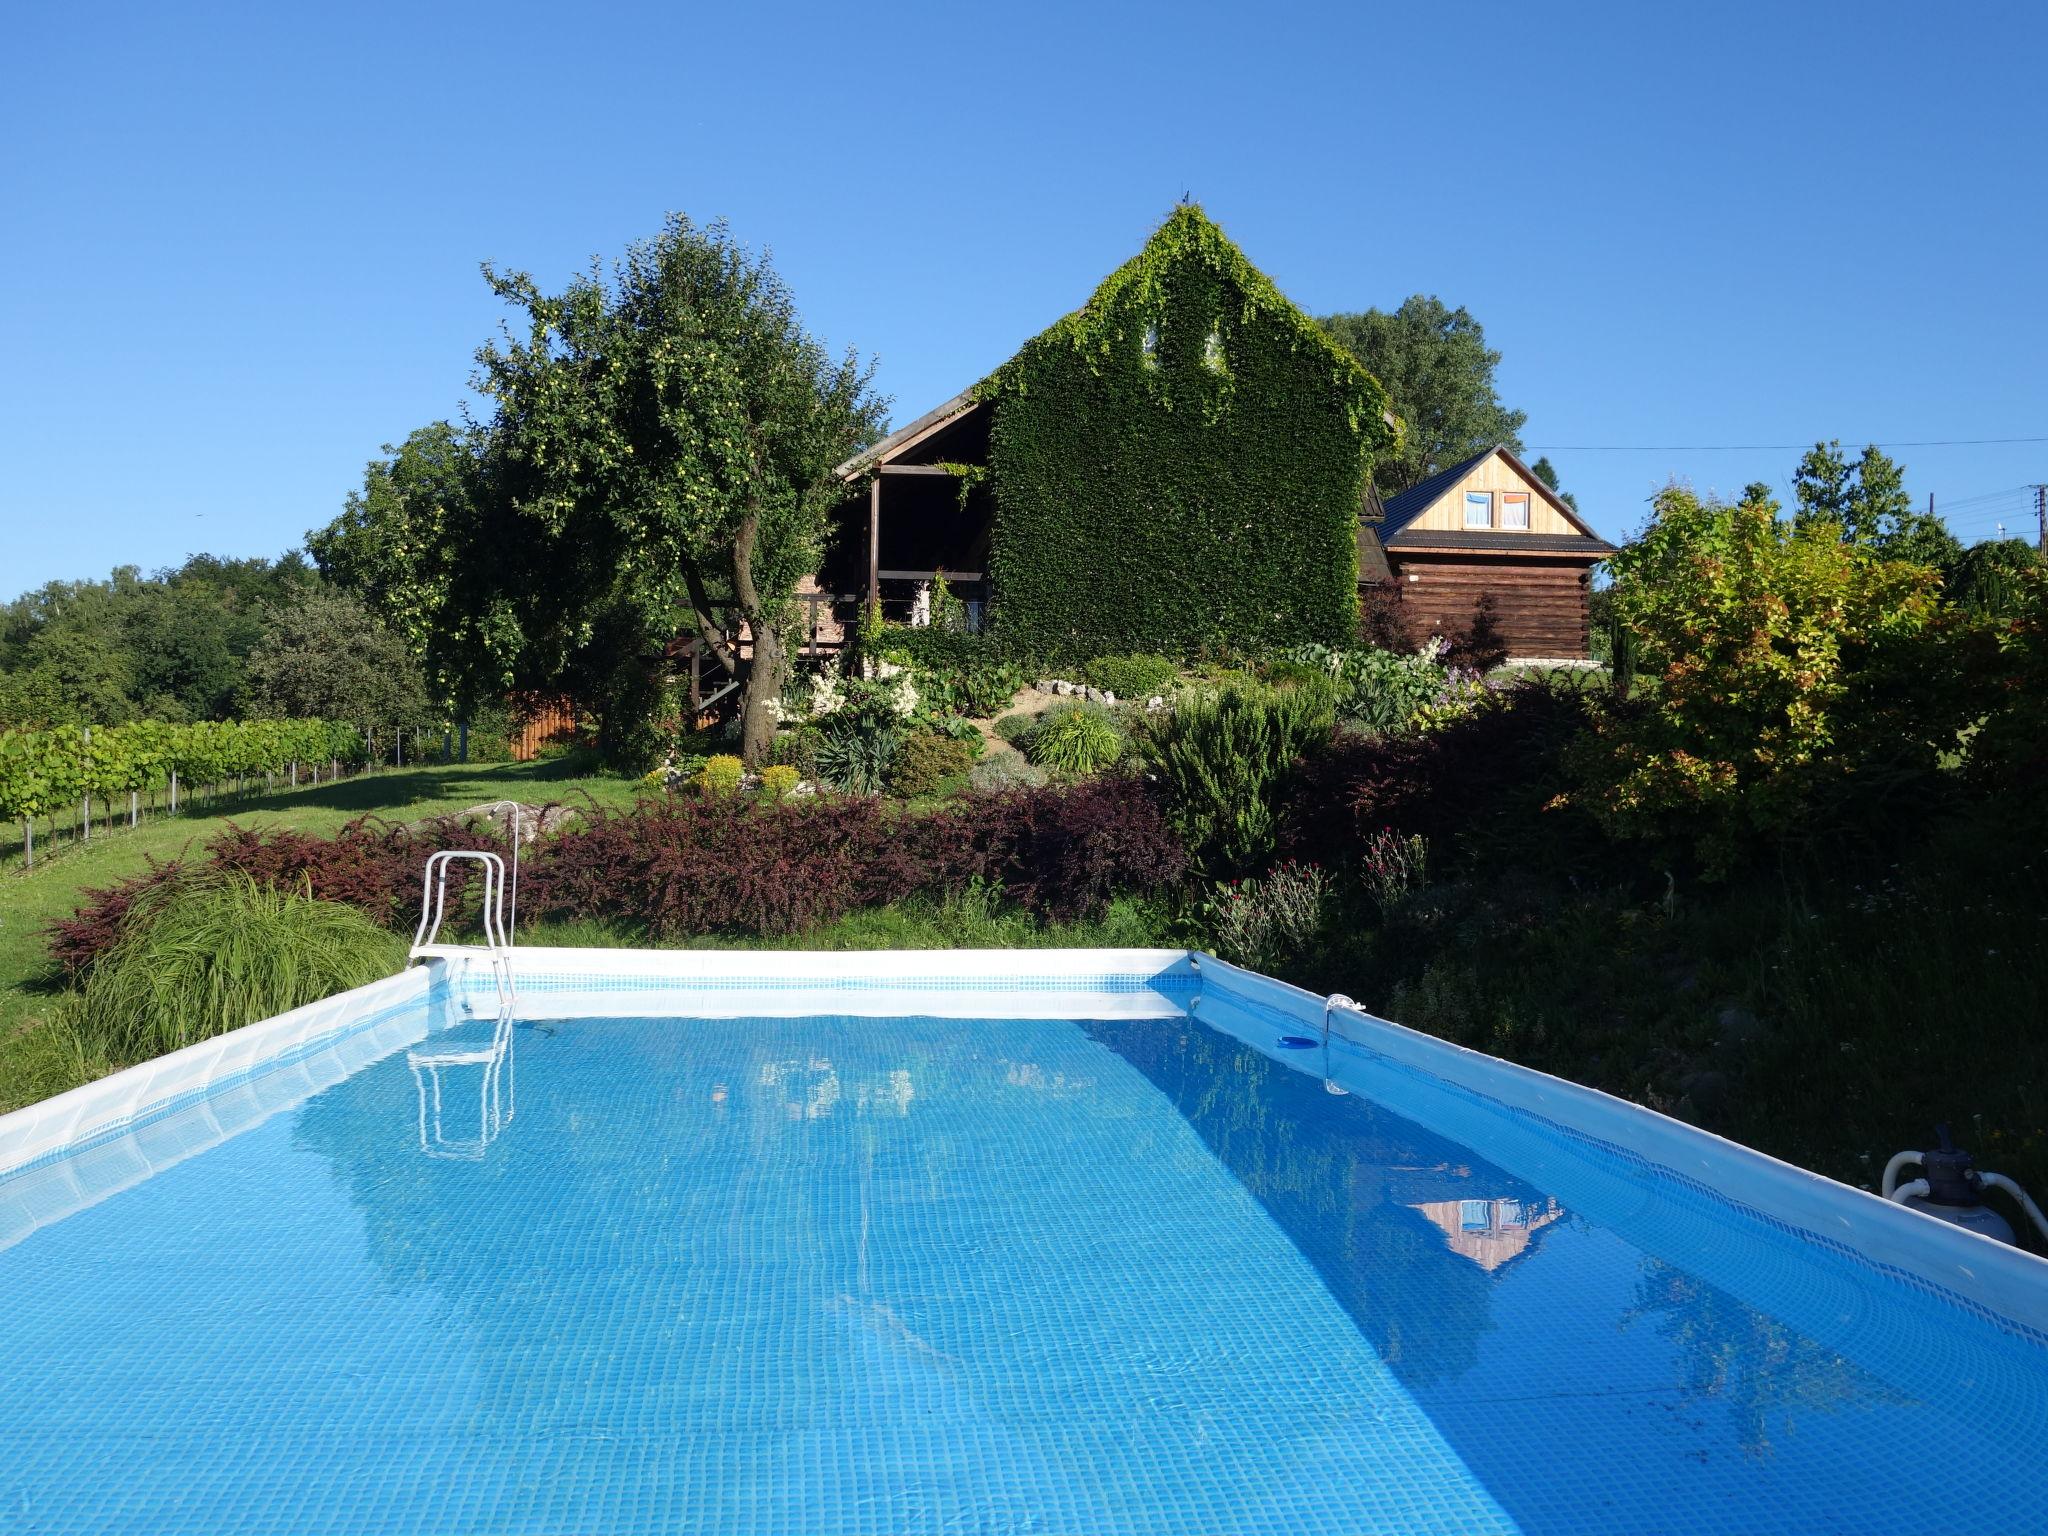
1487,526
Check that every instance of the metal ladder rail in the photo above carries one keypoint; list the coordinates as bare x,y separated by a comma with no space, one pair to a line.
434,906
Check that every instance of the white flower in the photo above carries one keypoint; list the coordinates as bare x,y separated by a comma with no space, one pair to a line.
825,697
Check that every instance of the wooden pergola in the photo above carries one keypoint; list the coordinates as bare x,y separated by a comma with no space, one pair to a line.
937,445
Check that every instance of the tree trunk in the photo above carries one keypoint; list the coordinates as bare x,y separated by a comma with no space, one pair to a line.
763,685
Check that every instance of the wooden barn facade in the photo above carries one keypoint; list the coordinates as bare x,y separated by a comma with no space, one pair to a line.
1487,526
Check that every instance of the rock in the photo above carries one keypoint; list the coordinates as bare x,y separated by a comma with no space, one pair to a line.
534,820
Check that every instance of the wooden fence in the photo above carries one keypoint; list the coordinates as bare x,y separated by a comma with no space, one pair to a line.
542,721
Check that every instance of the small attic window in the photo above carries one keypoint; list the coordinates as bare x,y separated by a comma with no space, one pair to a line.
1212,350
1149,343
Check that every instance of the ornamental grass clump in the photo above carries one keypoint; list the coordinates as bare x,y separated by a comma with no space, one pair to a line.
203,957
1075,741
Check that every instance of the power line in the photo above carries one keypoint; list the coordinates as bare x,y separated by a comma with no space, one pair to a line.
1941,442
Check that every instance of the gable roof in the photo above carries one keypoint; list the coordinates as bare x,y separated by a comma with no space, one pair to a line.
908,436
1190,234
1405,508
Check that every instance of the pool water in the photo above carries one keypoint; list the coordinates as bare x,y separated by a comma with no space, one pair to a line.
908,1274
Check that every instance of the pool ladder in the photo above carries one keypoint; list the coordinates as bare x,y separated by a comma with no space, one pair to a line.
497,945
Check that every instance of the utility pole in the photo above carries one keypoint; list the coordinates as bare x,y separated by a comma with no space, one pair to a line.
2041,518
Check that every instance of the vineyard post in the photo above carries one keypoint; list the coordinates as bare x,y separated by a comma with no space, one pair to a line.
174,791
28,840
85,814
131,808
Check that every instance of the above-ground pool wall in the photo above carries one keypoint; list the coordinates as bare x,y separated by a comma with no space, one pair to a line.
1679,1189
925,983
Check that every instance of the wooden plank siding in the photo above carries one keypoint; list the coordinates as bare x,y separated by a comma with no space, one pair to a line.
1540,604
1494,474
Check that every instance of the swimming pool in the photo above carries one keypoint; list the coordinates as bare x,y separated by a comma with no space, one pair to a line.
1122,1241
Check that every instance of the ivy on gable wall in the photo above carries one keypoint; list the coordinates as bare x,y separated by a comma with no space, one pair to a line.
1181,462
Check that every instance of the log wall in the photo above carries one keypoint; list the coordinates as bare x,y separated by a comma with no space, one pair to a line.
1540,604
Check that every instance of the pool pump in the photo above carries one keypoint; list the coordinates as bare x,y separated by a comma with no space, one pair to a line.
1951,1189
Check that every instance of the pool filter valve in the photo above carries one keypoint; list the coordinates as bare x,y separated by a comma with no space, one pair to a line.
1951,1189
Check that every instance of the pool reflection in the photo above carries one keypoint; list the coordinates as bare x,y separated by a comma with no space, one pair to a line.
1406,1228
452,1071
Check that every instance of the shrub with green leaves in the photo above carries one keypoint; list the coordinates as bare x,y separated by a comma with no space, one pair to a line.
1225,760
207,957
1131,677
926,761
778,782
1802,684
797,749
978,690
1076,740
1380,690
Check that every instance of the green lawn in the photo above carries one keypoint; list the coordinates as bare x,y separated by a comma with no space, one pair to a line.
36,1059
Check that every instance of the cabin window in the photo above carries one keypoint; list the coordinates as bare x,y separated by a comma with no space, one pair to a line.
1514,509
1479,509
1475,1215
1150,344
1212,350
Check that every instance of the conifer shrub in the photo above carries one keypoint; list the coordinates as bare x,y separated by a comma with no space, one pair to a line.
1225,761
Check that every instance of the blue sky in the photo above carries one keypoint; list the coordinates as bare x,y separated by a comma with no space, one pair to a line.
241,241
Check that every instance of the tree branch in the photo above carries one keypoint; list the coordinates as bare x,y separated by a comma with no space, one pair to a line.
707,626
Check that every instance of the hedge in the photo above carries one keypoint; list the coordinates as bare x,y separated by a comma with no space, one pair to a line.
1179,463
685,866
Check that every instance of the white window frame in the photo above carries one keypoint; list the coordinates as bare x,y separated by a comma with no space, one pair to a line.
1479,496
1526,499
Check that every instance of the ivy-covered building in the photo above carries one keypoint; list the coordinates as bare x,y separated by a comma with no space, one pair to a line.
1185,460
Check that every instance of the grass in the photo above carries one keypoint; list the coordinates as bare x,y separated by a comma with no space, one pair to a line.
37,1057
40,1056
